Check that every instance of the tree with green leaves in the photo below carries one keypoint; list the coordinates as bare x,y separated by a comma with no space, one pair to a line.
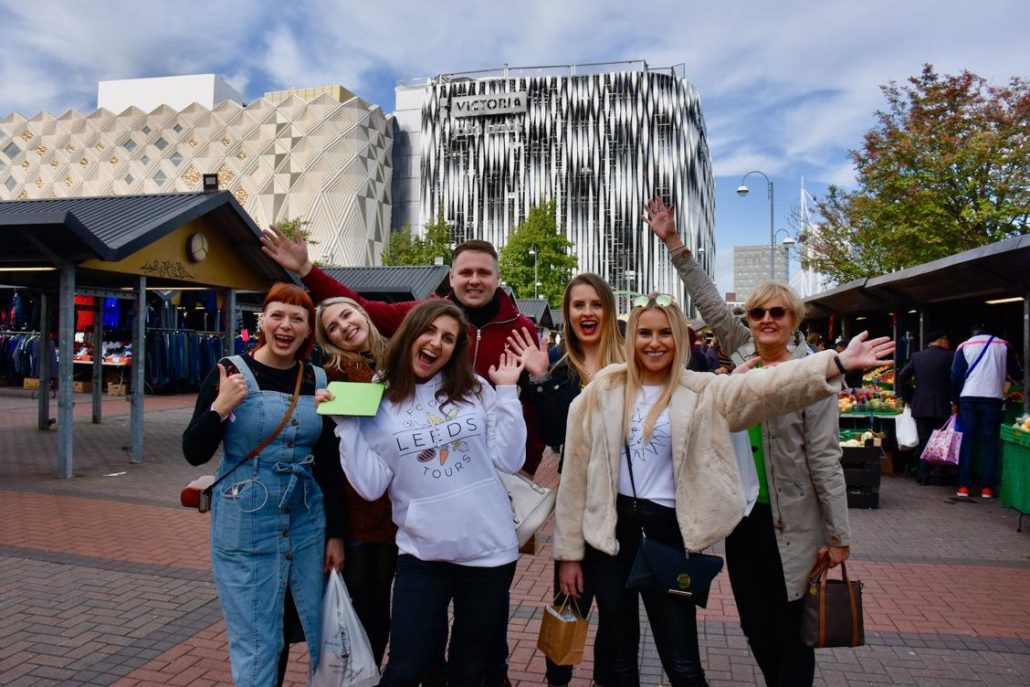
945,169
405,249
554,261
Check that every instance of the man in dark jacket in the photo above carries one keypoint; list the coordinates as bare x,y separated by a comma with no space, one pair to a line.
930,400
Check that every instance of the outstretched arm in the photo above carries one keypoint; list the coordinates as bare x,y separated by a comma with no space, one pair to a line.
292,255
716,313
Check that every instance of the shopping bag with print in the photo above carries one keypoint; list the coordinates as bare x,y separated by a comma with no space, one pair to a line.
346,658
943,446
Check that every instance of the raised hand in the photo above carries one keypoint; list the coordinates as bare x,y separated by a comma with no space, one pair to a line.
660,218
862,353
232,391
507,370
533,356
291,255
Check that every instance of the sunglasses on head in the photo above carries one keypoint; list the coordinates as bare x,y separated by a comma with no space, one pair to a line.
662,300
776,312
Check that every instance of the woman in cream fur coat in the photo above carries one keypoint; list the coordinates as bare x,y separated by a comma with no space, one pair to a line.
676,424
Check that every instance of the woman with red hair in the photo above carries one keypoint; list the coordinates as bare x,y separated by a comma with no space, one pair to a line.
279,489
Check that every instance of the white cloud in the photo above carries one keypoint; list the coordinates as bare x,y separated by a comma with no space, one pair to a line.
786,87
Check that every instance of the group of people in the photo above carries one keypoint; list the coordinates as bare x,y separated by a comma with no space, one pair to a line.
970,382
409,503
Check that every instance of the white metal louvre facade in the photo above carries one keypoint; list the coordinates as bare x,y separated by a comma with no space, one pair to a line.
326,159
599,144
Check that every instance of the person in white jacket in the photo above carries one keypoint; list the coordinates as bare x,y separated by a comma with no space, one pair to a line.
648,448
435,446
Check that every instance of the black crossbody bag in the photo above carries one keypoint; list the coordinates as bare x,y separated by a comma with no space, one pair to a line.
664,567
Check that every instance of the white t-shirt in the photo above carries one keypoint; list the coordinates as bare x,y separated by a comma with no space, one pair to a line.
652,461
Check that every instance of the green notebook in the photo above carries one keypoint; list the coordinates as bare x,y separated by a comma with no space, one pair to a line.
353,398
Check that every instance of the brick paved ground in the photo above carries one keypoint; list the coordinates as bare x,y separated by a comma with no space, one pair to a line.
105,580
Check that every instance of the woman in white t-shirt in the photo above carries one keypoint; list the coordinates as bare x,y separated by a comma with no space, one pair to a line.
435,446
675,425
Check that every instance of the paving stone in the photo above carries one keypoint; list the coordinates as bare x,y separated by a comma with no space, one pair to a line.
111,577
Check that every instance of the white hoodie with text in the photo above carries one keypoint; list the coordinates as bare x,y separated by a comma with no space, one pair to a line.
440,466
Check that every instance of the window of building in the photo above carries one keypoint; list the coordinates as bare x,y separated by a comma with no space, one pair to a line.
145,159
177,128
161,143
10,183
146,130
129,145
129,179
12,150
160,178
176,159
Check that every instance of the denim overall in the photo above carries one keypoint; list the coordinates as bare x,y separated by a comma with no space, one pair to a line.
268,530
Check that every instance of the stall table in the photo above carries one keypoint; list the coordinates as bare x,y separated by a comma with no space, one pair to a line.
1015,471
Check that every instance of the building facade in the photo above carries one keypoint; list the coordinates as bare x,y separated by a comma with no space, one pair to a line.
751,268
600,140
322,154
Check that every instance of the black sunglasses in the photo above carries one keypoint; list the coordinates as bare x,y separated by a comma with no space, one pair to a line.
776,312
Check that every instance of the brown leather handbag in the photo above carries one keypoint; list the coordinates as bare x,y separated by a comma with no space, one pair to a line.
832,612
197,494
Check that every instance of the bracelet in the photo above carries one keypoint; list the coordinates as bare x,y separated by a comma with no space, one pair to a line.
839,364
678,249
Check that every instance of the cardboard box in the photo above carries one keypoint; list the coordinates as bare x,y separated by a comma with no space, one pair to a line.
82,387
116,389
30,383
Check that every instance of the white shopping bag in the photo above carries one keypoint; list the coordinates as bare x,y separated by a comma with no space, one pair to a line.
905,429
346,658
746,465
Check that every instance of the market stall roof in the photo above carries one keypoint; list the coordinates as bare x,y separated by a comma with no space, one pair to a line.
537,311
394,284
997,269
113,229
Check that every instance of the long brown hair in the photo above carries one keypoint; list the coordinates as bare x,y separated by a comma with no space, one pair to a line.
290,294
611,343
459,379
337,358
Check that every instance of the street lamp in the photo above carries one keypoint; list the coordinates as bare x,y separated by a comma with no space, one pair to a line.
742,191
631,276
536,277
788,243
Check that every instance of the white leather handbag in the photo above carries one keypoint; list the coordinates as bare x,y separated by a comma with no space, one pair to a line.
531,504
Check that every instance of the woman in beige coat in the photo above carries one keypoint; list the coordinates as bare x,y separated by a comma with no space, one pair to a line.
685,488
802,513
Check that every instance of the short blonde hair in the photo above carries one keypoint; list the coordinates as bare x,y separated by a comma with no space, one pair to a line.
771,290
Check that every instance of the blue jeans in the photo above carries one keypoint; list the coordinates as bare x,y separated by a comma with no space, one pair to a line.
422,591
673,620
980,420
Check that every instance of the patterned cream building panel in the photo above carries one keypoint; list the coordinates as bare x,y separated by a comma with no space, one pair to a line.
325,159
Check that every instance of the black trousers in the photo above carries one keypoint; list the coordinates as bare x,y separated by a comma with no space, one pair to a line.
422,592
673,619
771,624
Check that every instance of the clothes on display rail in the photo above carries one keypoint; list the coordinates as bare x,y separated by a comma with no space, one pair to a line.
20,355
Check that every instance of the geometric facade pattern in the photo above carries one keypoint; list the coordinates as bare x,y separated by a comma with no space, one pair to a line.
320,159
599,144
